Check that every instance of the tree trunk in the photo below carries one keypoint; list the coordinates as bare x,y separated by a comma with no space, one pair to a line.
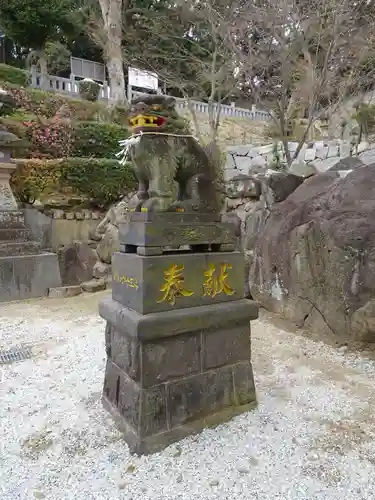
112,20
194,118
43,68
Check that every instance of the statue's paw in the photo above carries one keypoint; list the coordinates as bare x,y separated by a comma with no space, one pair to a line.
184,206
156,204
135,204
151,205
177,206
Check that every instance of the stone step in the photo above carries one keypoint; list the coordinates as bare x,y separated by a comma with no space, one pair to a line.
13,234
8,249
12,219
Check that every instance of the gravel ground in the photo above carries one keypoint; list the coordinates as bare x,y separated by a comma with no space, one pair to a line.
311,437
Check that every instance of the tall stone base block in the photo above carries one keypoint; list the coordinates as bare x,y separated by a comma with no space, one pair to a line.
169,374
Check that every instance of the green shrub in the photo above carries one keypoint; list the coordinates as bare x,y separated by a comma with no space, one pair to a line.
102,181
13,75
88,89
98,140
32,178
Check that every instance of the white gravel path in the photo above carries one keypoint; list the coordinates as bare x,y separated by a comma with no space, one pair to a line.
312,436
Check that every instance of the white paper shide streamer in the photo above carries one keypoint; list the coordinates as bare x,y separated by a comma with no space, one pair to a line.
134,139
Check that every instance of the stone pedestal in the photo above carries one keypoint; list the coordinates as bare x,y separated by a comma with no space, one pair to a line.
178,333
7,200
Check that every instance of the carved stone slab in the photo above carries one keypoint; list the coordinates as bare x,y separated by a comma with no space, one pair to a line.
158,234
168,282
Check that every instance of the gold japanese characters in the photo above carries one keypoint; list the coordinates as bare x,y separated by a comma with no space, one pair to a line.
126,280
173,286
215,282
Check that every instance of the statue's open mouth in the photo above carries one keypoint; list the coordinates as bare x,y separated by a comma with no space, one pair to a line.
147,121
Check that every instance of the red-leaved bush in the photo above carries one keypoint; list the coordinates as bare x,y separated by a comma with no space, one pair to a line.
49,138
47,104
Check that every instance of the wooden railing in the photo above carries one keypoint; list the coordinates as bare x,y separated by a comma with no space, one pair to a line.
70,86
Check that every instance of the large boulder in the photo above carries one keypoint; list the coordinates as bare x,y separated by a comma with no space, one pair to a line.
347,164
109,244
107,232
277,186
314,259
302,169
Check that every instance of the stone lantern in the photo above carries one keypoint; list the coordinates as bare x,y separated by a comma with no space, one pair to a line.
7,143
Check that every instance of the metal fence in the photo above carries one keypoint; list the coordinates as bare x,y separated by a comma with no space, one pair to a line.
70,86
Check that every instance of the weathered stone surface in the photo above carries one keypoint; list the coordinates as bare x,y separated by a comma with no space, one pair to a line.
348,163
170,358
158,441
199,395
7,200
171,374
166,324
171,217
101,270
145,410
158,234
109,244
76,263
122,393
368,157
25,271
258,159
14,235
64,292
277,186
235,220
12,219
94,285
363,322
226,346
325,165
242,186
9,248
254,224
362,146
163,283
243,381
302,169
314,259
107,230
124,351
23,277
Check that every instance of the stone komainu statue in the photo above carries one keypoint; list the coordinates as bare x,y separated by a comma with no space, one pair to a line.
174,171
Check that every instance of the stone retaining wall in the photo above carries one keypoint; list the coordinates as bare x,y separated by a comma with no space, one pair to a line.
317,155
55,227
